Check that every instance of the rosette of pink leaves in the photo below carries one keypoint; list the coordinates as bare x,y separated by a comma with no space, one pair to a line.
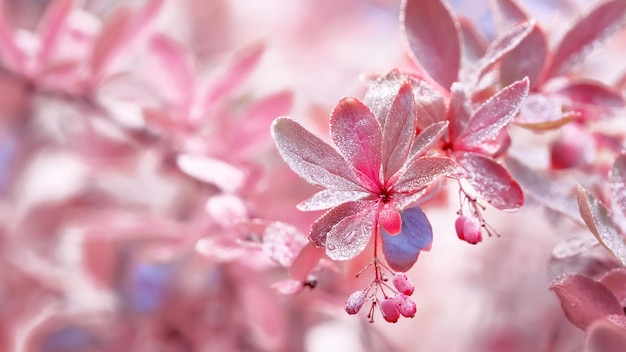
597,305
558,97
369,182
465,94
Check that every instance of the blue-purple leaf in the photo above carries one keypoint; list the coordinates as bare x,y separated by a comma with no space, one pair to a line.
403,249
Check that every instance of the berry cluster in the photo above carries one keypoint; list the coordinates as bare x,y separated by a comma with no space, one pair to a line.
395,300
469,228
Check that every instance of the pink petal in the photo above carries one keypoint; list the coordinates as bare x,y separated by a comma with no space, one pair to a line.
252,127
323,225
615,280
605,336
509,13
503,45
282,243
398,131
433,38
350,236
526,60
305,261
311,158
357,133
428,138
390,219
327,199
598,220
598,24
617,182
382,92
542,112
491,180
421,172
50,27
584,300
492,115
172,71
242,65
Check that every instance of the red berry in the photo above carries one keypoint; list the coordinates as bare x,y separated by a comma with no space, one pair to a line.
458,226
472,230
402,283
355,302
405,305
389,310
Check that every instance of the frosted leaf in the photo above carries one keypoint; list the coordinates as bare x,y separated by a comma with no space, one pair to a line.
325,223
539,112
508,13
492,115
225,176
311,158
282,243
381,94
398,131
474,43
357,133
606,334
503,45
305,261
328,198
491,180
351,235
615,280
427,138
617,182
599,222
226,209
423,171
584,300
526,60
433,37
402,250
587,33
430,106
573,247
460,111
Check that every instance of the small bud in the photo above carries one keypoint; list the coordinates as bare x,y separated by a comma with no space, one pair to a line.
402,283
389,310
405,305
472,230
355,302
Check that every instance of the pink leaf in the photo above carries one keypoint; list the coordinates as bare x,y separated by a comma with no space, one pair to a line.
311,158
542,112
305,261
11,54
593,99
50,27
251,128
422,171
459,110
390,219
493,115
174,67
474,45
223,175
357,133
321,226
526,60
351,235
605,336
599,222
584,300
491,180
382,92
503,45
428,137
282,243
328,198
617,182
287,286
242,65
433,38
430,106
508,13
615,280
402,250
598,24
398,131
